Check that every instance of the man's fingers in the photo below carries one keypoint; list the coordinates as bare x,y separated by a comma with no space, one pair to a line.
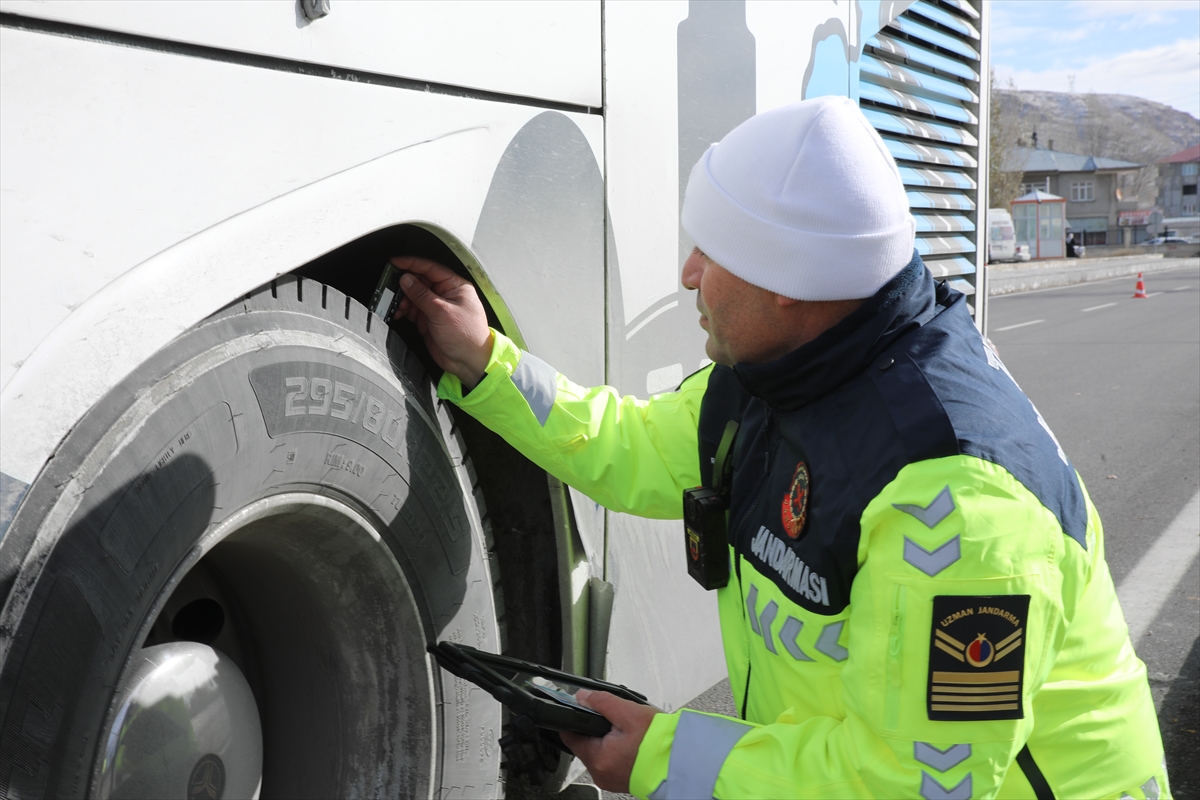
420,295
586,748
623,714
610,758
448,314
434,271
584,696
602,702
580,745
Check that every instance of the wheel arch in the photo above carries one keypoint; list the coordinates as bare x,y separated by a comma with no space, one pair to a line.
525,507
120,327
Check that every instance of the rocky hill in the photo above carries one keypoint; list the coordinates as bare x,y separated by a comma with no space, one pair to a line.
1110,125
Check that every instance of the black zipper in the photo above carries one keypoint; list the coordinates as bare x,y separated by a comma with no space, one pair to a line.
770,441
737,551
737,568
746,693
739,525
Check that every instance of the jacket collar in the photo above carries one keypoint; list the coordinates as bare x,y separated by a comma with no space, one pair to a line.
820,366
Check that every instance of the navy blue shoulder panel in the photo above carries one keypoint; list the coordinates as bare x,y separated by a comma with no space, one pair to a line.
947,382
724,399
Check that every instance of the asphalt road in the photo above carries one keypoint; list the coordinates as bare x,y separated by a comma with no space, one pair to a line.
1118,381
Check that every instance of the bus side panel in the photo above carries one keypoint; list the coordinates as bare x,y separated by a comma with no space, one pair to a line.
129,215
679,76
501,47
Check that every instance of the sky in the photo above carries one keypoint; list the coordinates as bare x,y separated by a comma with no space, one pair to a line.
1146,48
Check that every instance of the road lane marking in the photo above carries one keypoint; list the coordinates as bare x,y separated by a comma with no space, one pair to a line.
1019,325
1152,581
1153,294
1180,288
1097,308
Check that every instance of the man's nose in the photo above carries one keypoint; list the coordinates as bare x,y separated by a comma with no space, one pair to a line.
693,271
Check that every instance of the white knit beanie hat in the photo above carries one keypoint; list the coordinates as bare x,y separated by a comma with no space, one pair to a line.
804,201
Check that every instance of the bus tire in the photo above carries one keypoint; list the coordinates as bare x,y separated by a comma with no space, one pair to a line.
278,490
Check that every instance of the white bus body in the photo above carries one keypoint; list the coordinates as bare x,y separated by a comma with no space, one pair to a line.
162,160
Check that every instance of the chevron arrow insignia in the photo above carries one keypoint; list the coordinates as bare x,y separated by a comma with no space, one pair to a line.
937,510
787,635
827,642
941,760
932,790
932,562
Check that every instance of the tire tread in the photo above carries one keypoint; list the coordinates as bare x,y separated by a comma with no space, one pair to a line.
302,295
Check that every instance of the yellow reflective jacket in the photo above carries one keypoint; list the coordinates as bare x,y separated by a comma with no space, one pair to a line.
919,603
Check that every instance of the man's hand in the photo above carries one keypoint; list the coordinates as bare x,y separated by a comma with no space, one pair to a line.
610,758
448,315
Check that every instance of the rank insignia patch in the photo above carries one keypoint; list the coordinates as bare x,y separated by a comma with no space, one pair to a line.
795,502
977,657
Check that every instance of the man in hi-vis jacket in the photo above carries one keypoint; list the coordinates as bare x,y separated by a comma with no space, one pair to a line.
917,601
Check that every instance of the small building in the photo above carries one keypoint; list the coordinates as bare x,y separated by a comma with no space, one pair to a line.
1038,223
1094,188
1177,177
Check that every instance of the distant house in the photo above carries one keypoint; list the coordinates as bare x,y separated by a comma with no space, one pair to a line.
1177,183
1092,186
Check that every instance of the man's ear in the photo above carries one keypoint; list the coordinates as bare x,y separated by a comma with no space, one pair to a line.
784,302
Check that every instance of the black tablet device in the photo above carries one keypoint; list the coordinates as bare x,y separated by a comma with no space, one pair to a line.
545,695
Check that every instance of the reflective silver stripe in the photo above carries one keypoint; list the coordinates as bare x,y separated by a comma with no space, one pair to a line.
788,634
938,509
768,616
827,642
1150,788
537,382
701,745
941,760
932,790
931,562
752,608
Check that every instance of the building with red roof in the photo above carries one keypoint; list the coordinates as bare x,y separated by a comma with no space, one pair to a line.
1177,177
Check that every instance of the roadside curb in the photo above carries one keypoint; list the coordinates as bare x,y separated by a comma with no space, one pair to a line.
1008,281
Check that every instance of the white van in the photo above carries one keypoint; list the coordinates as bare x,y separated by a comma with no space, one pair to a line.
1002,239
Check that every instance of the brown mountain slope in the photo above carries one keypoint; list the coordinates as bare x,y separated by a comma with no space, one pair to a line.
1111,125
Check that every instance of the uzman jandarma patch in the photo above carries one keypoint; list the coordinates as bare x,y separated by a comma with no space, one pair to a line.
977,657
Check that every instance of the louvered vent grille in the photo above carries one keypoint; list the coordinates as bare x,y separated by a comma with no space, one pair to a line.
919,85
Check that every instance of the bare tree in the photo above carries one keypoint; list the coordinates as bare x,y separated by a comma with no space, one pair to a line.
1108,138
1004,176
1101,125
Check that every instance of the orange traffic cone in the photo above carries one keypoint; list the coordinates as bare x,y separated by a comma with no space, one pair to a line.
1140,291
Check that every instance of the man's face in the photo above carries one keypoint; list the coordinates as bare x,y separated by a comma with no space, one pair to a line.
741,318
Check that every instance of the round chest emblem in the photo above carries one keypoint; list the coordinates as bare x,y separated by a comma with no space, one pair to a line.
795,503
980,651
207,781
